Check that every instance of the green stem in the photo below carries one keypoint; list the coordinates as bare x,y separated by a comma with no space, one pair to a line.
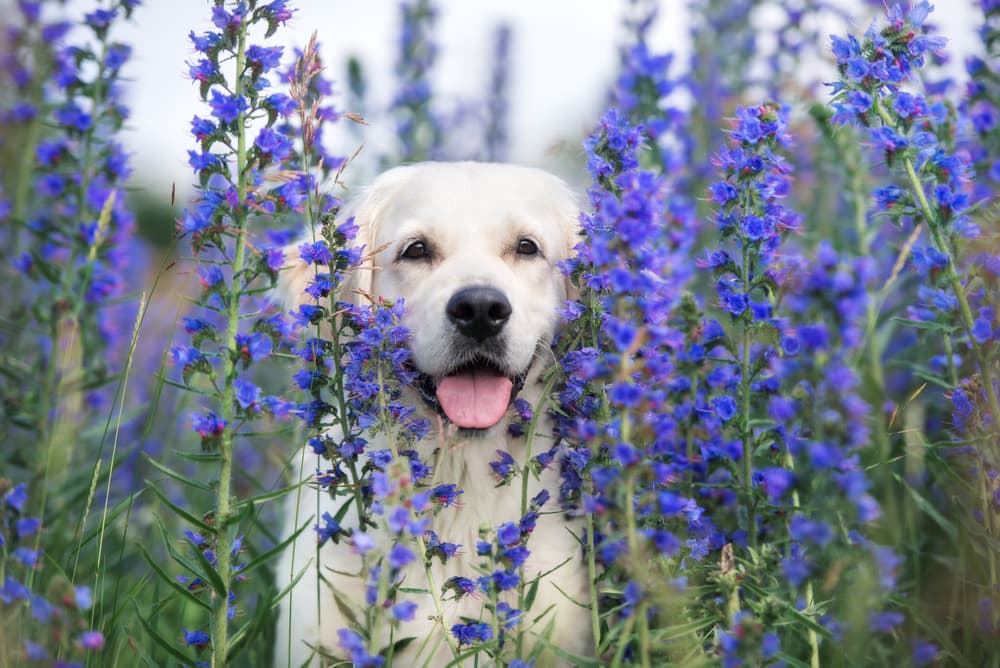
955,281
810,596
220,623
633,547
432,586
529,439
860,194
745,411
595,611
953,277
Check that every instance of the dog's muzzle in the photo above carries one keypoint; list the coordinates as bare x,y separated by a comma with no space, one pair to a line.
477,391
479,312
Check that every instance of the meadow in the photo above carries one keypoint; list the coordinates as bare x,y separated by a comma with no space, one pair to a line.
777,399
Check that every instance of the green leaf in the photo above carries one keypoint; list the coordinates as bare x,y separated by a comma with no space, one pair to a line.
208,573
928,325
291,585
119,508
927,507
277,549
199,457
254,628
193,519
529,598
214,579
166,645
270,496
182,479
171,582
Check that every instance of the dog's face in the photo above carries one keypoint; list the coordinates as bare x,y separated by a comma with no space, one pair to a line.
473,250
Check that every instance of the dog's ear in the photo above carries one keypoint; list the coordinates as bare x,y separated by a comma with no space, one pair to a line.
358,286
569,218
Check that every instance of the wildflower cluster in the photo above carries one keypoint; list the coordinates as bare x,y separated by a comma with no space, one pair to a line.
982,104
58,616
237,142
503,551
781,453
497,103
417,125
66,223
618,470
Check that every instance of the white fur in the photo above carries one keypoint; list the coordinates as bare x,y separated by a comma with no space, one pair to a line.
473,214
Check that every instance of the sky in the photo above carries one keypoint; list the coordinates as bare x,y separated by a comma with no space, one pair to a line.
564,55
564,58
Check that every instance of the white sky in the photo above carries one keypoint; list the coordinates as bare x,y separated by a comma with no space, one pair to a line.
564,57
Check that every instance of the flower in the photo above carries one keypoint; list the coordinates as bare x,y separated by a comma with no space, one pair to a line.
466,634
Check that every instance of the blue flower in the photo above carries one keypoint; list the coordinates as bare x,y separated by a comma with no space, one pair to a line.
227,108
466,634
17,497
197,639
354,645
884,622
264,58
725,407
330,529
508,533
400,556
404,611
253,347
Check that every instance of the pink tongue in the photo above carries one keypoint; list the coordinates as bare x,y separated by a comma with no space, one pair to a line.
475,399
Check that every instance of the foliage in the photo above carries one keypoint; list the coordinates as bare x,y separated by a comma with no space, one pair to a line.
783,449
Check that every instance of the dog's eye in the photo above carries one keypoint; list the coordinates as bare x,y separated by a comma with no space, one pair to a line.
415,251
527,247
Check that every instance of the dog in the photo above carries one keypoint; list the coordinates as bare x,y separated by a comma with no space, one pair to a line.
474,250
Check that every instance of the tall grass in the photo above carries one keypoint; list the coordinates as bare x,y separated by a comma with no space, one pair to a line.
777,397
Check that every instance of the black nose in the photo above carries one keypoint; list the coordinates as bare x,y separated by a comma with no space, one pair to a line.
479,312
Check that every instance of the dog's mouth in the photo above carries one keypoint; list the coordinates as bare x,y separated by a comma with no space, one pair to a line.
474,395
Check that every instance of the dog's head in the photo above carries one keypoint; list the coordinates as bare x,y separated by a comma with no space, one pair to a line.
472,249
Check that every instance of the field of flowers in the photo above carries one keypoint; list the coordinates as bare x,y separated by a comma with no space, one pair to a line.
777,397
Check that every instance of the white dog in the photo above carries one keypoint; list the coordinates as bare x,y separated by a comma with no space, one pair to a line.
473,250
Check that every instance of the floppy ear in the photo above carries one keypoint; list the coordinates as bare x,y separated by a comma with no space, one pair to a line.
569,217
357,287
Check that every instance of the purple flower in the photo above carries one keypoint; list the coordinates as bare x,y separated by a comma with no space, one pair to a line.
26,526
253,347
13,591
34,651
92,640
922,652
354,645
400,556
316,253
264,58
247,394
198,639
725,407
775,481
508,533
17,497
404,610
466,634
884,622
330,529
227,108
209,425
274,144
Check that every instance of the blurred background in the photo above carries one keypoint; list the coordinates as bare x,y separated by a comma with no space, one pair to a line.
563,59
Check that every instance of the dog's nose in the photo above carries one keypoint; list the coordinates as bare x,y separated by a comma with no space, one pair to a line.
479,312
